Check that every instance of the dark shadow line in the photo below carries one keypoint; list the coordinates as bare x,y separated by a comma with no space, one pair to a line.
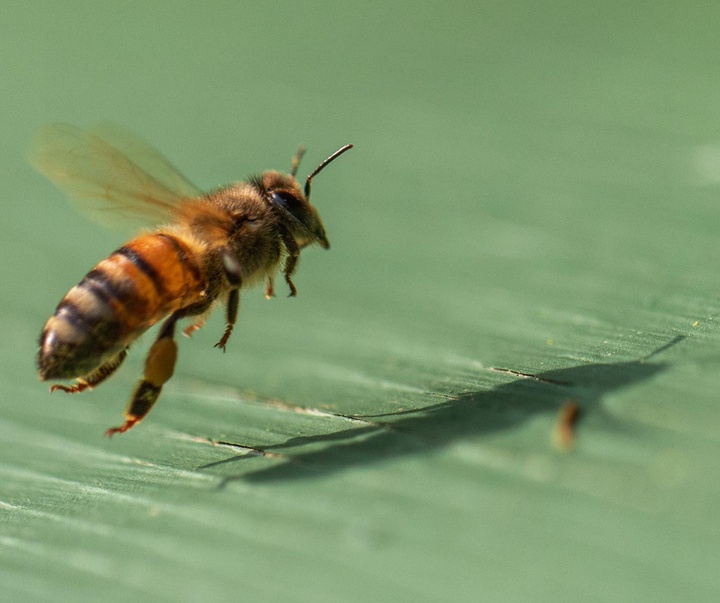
531,376
677,339
465,415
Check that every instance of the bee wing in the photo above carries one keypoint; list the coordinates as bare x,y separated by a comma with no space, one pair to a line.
111,173
147,158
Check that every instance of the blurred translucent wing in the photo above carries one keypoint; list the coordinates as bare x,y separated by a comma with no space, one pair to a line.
146,158
113,174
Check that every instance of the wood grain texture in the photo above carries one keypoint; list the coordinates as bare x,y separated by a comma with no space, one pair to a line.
529,217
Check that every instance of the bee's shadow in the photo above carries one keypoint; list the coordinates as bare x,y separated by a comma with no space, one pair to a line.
465,415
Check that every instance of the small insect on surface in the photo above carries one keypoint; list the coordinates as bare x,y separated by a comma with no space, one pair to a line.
204,248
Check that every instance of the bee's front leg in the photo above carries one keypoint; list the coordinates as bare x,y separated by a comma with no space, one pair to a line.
293,252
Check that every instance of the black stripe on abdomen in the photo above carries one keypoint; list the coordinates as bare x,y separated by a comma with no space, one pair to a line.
115,291
143,266
182,255
68,311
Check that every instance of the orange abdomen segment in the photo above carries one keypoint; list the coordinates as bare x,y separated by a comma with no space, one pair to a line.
125,294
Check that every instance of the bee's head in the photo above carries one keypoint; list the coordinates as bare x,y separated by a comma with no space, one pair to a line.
284,194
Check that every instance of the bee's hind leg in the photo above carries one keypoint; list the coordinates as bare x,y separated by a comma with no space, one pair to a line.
93,379
159,367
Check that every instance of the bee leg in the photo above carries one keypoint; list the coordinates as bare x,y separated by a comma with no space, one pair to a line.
233,303
159,367
233,275
270,288
231,267
194,327
93,379
292,258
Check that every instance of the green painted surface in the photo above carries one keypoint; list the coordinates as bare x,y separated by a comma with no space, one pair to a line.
535,187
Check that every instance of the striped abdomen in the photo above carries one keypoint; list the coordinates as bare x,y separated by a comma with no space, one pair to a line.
125,294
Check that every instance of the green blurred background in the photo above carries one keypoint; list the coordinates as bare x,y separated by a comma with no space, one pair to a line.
535,187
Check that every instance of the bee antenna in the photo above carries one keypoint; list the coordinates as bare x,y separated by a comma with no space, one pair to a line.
296,160
317,170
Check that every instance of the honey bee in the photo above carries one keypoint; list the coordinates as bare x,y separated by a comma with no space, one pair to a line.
203,249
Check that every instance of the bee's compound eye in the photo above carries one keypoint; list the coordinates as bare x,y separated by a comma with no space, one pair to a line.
294,209
285,201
